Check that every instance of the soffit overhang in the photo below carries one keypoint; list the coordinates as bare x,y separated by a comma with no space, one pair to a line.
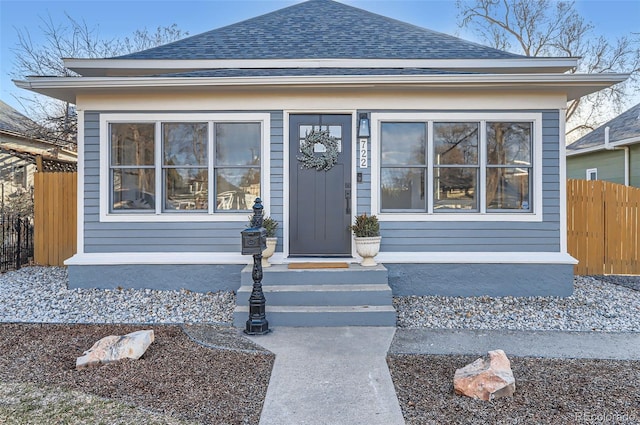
572,85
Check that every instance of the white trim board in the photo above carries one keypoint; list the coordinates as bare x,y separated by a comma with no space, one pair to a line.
199,258
80,183
563,178
475,258
150,258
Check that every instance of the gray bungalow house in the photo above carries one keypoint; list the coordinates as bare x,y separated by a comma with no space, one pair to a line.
611,152
456,147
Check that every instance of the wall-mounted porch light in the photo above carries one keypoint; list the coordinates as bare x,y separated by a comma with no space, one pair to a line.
363,125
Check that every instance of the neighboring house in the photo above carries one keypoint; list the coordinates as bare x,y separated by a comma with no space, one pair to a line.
462,164
611,152
19,148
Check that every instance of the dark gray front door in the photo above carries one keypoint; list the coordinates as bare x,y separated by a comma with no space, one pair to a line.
320,201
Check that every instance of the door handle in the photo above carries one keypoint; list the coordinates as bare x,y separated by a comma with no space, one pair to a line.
347,196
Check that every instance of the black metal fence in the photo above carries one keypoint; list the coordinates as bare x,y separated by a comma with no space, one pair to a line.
17,242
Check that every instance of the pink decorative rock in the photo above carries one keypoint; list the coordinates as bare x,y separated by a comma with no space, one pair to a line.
113,348
486,379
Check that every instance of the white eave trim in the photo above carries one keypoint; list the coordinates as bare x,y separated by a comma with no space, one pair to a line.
322,80
624,142
94,67
572,86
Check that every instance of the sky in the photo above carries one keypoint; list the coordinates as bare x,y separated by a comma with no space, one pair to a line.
115,18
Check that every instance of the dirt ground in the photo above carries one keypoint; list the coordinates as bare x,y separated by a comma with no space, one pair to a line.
176,376
548,391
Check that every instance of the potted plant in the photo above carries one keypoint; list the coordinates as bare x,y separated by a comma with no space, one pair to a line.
270,225
367,237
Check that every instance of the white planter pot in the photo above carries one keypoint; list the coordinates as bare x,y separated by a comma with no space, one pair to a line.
368,248
268,252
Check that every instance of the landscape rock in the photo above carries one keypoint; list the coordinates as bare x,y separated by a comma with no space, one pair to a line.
486,379
114,347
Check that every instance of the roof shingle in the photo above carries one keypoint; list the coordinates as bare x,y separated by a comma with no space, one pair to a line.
624,126
321,29
14,121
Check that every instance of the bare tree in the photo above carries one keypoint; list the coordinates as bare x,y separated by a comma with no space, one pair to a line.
71,39
545,28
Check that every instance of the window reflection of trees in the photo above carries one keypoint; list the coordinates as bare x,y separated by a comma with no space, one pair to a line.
403,143
508,165
132,165
404,167
456,165
456,162
237,165
185,166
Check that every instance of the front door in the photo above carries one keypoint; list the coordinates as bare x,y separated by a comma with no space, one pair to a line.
320,201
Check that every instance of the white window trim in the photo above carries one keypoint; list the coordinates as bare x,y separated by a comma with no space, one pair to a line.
210,216
592,170
534,216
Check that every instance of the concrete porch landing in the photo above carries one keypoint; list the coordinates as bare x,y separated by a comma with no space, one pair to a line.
353,296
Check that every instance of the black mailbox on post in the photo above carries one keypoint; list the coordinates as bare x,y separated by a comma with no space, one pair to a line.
254,240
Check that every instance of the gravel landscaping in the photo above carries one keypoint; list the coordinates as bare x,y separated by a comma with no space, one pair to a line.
596,305
40,295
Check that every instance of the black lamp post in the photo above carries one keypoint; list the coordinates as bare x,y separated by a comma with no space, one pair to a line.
254,241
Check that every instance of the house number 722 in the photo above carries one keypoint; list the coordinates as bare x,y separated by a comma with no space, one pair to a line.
364,159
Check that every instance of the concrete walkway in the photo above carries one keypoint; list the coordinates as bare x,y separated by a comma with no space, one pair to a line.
330,375
551,344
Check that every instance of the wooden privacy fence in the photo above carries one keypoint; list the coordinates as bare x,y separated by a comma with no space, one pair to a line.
602,225
55,217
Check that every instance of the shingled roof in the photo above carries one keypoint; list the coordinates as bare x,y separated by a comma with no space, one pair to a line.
319,29
623,127
13,121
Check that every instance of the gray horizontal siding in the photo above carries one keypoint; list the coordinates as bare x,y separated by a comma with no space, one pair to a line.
183,236
430,236
479,236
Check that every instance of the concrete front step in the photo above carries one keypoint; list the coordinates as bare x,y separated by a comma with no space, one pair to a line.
375,315
280,274
353,296
320,295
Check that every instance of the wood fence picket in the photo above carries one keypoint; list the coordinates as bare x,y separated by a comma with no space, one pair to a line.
602,227
55,217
